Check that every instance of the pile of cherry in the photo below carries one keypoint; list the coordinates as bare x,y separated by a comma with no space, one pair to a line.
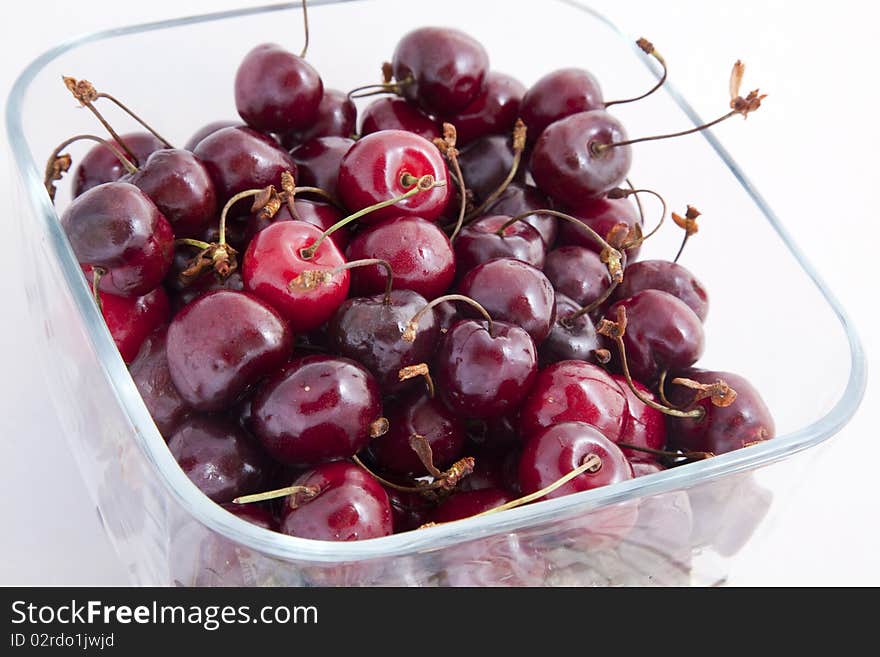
343,336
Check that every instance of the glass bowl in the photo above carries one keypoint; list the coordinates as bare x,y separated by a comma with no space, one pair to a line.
772,318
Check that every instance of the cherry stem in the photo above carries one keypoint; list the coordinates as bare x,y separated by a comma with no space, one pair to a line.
299,494
317,191
691,456
420,445
638,200
58,163
305,10
85,93
128,111
312,278
446,144
417,186
409,333
568,320
368,90
188,241
420,369
624,193
248,193
519,145
612,258
445,482
597,148
661,389
590,463
684,241
648,49
97,275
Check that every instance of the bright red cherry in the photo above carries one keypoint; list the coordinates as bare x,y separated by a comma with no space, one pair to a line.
100,165
318,160
131,319
646,426
153,380
492,112
666,276
557,95
391,113
479,242
465,504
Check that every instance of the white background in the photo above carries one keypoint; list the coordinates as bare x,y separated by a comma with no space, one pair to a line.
813,151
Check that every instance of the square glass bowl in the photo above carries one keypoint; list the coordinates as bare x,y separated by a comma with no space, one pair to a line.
769,312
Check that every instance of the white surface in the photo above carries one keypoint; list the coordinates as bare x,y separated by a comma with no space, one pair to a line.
812,151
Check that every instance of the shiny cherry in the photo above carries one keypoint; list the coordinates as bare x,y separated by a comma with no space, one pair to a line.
209,129
391,113
666,276
485,163
131,319
440,69
318,160
570,339
479,242
315,409
578,273
518,198
100,165
465,504
254,514
492,112
495,466
409,510
221,344
646,426
557,95
321,215
153,380
336,117
602,215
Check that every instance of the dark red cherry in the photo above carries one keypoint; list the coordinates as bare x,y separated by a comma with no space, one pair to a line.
485,163
447,314
131,319
417,413
746,421
379,168
646,426
153,380
391,113
321,215
666,276
515,292
240,158
221,344
559,94
277,91
469,503
219,457
602,215
492,112
315,409
182,295
369,330
568,164
318,161
273,259
254,514
350,506
479,242
497,433
440,69
420,255
180,186
100,165
662,333
209,129
578,273
570,339
336,117
409,510
573,390
557,450
481,374
495,466
115,226
518,198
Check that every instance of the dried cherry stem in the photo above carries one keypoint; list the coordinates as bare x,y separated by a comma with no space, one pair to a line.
627,242
446,144
688,223
590,463
409,333
379,427
388,85
445,483
312,278
59,163
417,186
649,49
661,389
615,331
85,93
305,11
420,445
420,369
719,392
298,495
97,275
611,257
519,145
686,454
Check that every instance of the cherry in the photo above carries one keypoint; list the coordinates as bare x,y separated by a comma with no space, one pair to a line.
518,199
440,69
239,159
573,390
567,163
469,503
398,114
321,215
316,409
100,165
336,117
557,95
555,451
210,129
185,292
117,228
409,510
221,344
485,163
602,215
384,165
722,429
418,414
496,464
492,112
131,319
668,277
349,506
254,514
646,426
570,339
369,330
277,91
513,291
485,371
480,241
218,457
578,273
662,333
318,161
152,377
420,255
274,259
180,186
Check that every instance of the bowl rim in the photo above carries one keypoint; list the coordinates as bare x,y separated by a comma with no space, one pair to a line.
152,446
